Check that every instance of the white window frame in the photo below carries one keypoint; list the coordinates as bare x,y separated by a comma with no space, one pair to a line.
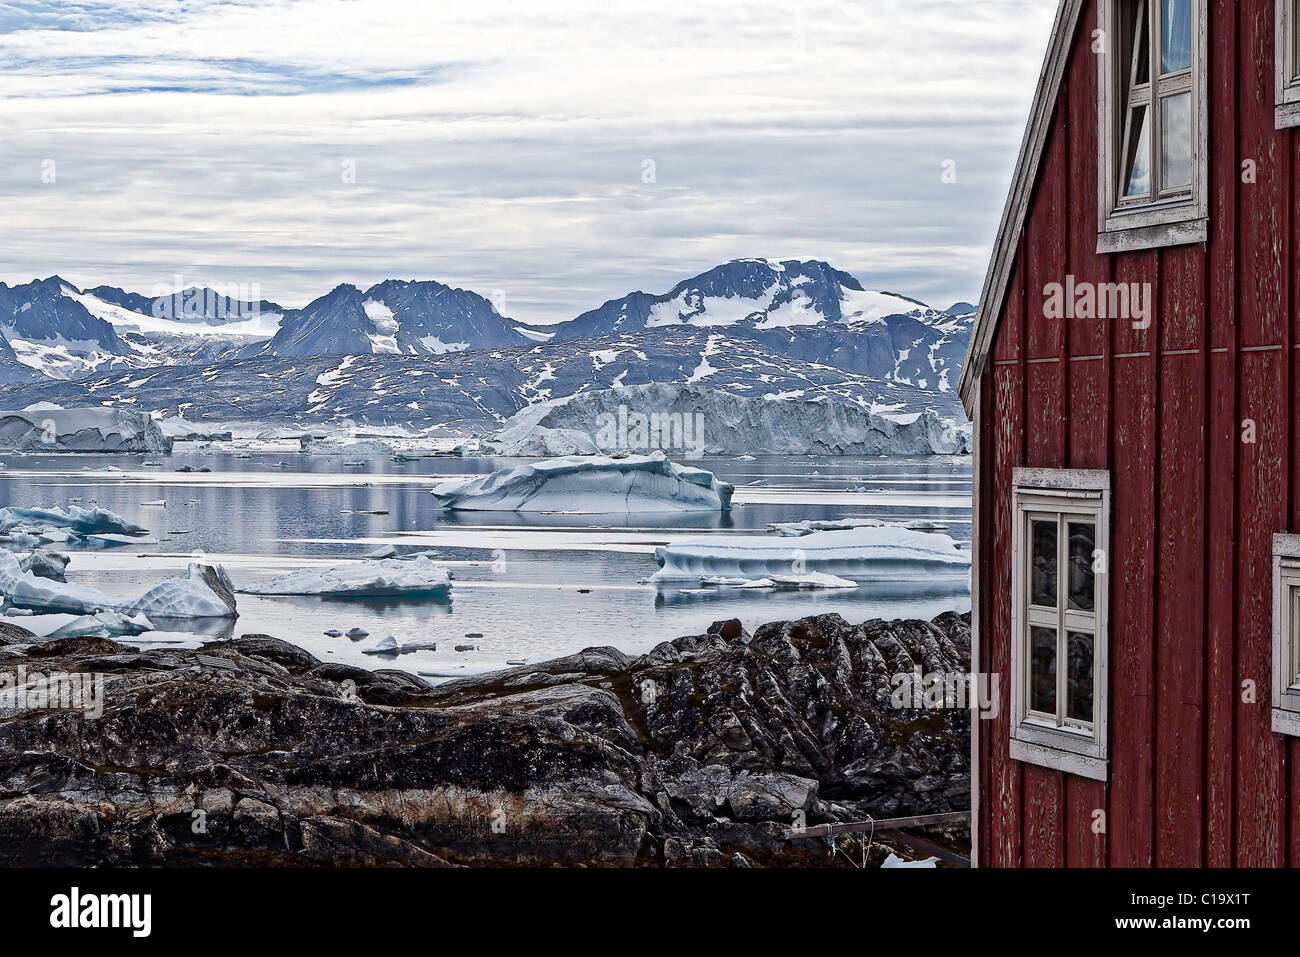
1083,493
1287,62
1168,221
1286,634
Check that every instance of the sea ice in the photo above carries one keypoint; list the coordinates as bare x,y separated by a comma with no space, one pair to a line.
204,592
104,624
591,485
809,582
179,430
886,553
83,521
385,646
96,429
383,578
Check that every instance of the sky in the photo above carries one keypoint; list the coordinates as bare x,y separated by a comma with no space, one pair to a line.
549,154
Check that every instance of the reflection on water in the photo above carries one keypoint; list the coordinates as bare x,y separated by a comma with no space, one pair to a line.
525,585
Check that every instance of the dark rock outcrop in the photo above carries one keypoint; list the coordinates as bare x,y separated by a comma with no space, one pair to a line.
702,752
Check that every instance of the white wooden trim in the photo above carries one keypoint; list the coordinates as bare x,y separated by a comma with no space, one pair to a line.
1017,204
1061,479
1080,765
1160,223
1286,632
1060,492
1154,237
1286,65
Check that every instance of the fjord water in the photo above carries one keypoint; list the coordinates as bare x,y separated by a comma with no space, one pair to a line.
525,585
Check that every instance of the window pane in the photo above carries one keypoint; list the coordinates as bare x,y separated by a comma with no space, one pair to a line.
1042,671
1078,677
1043,572
1176,140
1083,538
1175,35
1134,43
1295,650
1137,164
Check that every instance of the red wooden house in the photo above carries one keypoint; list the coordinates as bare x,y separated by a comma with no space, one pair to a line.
1133,383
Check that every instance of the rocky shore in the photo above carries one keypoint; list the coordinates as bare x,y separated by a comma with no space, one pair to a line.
703,752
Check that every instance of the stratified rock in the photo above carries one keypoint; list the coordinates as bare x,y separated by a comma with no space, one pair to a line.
702,753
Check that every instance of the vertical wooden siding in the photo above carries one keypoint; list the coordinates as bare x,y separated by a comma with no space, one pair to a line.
1196,775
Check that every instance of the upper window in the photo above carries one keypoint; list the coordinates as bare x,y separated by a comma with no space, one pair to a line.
1286,634
1152,180
1059,616
1287,60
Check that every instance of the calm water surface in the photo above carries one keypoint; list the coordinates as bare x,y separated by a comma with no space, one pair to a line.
524,585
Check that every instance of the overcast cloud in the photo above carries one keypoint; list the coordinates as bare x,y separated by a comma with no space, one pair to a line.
557,153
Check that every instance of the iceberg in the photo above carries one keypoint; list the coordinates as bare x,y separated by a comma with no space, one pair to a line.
383,578
178,429
808,582
885,553
690,419
44,564
591,485
104,624
98,429
546,443
204,592
385,646
82,521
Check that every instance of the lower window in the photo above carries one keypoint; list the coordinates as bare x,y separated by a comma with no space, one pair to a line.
1286,634
1061,523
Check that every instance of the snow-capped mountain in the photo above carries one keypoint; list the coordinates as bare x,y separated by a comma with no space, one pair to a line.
753,293
394,317
806,310
49,330
752,327
477,389
63,332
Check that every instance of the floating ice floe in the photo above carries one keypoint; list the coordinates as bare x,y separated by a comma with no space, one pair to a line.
809,582
385,646
98,429
893,860
44,564
83,521
204,592
591,485
104,624
384,578
880,554
795,529
179,430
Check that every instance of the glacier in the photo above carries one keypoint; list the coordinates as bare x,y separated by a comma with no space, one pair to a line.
384,578
100,429
591,485
697,420
204,592
880,554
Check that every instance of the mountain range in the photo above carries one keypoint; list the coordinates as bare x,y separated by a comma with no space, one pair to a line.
754,326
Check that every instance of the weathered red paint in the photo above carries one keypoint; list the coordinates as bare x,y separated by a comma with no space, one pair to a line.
1196,777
